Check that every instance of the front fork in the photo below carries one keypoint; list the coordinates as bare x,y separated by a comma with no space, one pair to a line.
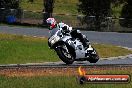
90,51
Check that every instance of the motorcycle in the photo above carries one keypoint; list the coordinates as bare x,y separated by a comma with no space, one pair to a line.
70,49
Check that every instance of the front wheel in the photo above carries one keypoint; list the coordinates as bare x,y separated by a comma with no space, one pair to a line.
93,57
65,54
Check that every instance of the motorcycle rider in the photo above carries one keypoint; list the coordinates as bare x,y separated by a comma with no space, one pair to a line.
66,29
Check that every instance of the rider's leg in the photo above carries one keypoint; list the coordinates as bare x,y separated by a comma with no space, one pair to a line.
82,38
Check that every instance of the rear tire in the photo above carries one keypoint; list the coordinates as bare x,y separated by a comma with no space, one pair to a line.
61,53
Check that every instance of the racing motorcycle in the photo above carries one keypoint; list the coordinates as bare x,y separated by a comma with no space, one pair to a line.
70,49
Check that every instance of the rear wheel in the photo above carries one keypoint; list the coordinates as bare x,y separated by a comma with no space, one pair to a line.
65,54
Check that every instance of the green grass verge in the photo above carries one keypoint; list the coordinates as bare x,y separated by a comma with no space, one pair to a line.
60,6
63,6
59,81
105,50
21,49
36,6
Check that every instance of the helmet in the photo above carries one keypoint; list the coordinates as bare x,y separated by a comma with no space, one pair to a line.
51,22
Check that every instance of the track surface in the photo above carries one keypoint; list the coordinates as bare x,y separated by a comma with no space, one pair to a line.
120,39
61,66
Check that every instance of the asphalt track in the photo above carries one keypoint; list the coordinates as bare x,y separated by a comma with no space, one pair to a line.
46,65
119,39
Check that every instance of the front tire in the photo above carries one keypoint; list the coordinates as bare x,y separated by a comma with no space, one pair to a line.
65,54
93,58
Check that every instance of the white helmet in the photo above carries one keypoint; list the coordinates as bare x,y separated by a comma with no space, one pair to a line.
51,22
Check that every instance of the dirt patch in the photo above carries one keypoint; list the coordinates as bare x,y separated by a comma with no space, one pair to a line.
29,72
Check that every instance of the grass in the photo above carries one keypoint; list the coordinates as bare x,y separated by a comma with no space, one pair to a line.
63,6
105,50
66,6
22,49
60,6
36,6
60,81
31,15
